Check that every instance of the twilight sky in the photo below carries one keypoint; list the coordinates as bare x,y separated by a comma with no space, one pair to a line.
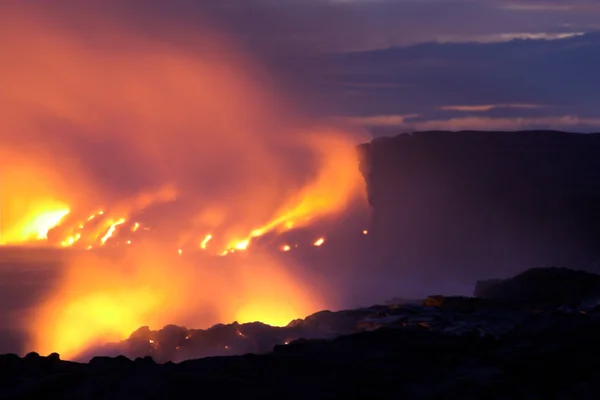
414,65
400,65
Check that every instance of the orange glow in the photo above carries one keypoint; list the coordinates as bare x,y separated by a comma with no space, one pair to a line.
71,240
205,242
319,242
286,248
111,230
46,221
30,205
365,232
243,245
191,142
99,301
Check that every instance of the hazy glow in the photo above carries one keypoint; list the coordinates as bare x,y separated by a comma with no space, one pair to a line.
169,143
100,300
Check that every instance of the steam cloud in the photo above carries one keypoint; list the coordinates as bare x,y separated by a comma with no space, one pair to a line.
190,135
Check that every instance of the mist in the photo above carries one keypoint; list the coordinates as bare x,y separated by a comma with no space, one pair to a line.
185,137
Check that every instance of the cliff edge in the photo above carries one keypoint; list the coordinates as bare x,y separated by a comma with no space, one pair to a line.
471,202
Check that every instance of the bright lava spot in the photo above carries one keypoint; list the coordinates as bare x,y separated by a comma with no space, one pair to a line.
243,245
111,230
286,248
319,242
365,232
47,221
205,242
71,240
270,313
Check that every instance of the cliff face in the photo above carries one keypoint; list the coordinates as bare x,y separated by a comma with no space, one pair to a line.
463,202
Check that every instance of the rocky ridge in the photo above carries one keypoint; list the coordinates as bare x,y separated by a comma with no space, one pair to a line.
444,347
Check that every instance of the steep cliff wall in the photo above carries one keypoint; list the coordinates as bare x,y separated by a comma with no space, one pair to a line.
492,202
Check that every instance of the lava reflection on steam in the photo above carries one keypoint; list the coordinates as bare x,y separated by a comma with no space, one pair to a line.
30,204
100,300
169,142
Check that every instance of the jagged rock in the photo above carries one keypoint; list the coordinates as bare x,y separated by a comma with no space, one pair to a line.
118,362
544,288
449,347
144,361
384,364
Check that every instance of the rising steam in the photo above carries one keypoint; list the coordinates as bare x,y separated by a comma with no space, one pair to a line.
107,131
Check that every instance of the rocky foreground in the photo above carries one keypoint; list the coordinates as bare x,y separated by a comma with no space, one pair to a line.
518,339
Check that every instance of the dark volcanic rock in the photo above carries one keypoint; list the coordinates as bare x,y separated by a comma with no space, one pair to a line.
474,203
554,360
543,288
449,347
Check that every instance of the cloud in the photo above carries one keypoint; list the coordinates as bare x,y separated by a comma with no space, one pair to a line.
535,7
509,36
533,79
379,120
489,107
290,26
403,123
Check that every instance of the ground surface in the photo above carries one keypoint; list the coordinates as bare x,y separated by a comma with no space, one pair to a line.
547,355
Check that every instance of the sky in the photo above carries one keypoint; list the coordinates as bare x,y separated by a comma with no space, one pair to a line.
404,65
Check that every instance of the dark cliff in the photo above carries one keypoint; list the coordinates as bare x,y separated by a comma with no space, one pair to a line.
484,203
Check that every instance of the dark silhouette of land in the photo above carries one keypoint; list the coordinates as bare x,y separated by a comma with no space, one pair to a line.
448,347
474,204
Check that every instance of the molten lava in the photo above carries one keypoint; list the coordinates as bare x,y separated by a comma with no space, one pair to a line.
162,144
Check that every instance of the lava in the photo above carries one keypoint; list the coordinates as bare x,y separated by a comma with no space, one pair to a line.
319,242
205,241
111,230
146,140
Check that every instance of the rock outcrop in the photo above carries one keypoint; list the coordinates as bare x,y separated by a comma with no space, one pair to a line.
543,288
482,203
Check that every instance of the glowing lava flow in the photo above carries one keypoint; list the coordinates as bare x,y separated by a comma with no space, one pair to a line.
205,241
111,230
43,223
35,227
